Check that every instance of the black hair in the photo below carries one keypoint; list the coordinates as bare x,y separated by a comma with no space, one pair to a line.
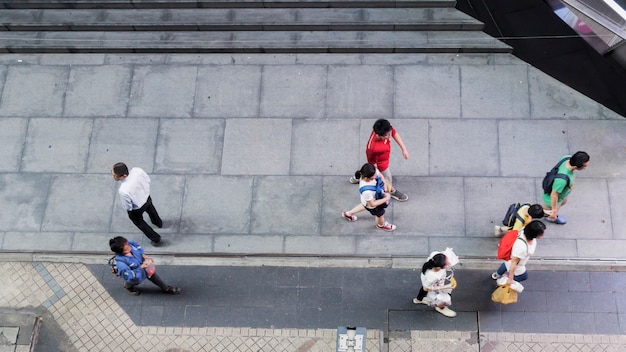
579,159
367,171
120,169
536,211
117,244
437,261
534,229
381,127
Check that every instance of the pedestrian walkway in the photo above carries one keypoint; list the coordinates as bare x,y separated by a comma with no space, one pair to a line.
251,154
86,308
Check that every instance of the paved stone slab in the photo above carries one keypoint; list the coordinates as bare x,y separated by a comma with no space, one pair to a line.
34,91
434,207
79,203
215,87
293,91
468,247
471,156
499,91
340,195
491,195
524,146
586,221
162,91
249,244
350,93
232,194
550,98
57,145
189,146
392,245
180,243
13,134
551,247
324,147
23,199
129,140
327,245
257,147
37,241
108,98
431,91
286,205
617,192
606,146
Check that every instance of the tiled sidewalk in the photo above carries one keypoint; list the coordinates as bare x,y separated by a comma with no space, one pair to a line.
92,321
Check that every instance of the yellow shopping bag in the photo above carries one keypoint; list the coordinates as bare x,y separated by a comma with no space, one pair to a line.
504,295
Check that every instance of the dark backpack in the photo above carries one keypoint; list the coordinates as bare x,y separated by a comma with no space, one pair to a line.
379,188
553,174
512,215
505,247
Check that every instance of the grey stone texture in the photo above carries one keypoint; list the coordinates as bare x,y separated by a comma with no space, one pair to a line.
252,153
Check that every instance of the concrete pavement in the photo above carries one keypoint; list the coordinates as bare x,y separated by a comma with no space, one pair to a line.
250,154
84,308
250,157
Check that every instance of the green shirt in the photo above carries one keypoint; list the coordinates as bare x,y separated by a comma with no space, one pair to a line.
559,184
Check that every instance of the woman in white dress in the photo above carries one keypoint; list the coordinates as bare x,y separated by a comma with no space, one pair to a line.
436,284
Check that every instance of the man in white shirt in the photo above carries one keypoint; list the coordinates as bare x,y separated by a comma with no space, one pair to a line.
135,196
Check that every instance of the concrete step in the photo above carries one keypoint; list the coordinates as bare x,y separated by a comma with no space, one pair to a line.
252,42
447,19
153,4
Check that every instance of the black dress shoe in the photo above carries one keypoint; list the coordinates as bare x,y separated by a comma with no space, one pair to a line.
155,244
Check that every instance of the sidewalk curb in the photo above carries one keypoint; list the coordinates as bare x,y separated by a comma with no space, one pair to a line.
391,262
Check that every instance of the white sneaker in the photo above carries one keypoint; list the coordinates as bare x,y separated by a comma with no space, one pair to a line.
354,180
446,311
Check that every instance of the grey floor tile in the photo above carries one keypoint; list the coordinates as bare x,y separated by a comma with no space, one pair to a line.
285,317
582,323
197,316
607,323
173,315
401,319
370,318
308,317
330,317
490,321
151,315
217,316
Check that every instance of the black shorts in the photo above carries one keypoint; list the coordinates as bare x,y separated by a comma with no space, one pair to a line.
378,211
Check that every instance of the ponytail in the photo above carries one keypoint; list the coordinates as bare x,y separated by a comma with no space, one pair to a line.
437,261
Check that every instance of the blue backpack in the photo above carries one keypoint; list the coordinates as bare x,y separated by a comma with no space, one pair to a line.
379,188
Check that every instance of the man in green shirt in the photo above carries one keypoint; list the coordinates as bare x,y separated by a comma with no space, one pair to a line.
561,188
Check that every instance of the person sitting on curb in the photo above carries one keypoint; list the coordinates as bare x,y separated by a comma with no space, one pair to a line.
525,212
133,266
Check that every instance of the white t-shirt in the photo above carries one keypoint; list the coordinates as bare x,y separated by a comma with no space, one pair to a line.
523,252
367,195
433,278
436,278
135,189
